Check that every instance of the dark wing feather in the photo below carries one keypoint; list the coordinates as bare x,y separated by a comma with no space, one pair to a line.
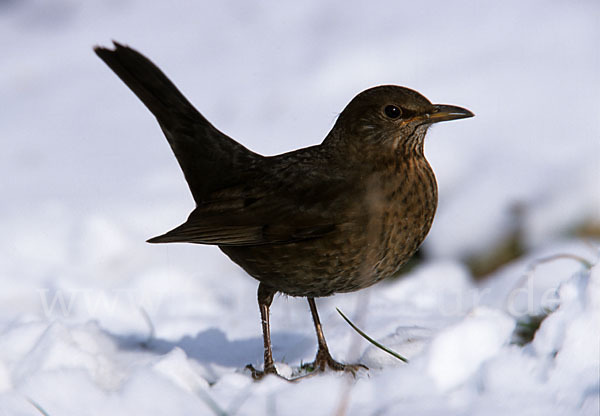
278,205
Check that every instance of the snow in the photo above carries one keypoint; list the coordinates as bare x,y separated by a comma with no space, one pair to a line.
94,321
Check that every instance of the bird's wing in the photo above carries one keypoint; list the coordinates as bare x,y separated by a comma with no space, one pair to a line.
209,159
261,211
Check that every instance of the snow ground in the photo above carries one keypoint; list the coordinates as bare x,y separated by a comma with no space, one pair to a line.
87,177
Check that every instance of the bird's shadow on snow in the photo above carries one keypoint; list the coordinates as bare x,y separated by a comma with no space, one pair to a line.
212,346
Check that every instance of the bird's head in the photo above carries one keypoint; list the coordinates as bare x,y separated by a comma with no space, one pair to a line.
389,120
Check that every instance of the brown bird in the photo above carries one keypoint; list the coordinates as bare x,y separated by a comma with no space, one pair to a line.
335,217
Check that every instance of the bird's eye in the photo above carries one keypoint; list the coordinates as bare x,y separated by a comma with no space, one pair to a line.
392,111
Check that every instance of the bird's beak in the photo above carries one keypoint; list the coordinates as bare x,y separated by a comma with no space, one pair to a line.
443,112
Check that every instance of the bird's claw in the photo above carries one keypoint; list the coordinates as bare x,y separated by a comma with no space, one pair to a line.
324,360
258,374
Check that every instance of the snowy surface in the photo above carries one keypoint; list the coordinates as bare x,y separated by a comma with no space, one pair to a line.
87,177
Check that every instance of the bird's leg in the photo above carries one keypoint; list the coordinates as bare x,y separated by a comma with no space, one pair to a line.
265,298
323,358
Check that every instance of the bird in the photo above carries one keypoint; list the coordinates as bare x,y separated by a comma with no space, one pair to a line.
330,218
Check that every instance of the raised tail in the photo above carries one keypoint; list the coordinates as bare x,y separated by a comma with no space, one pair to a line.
149,83
210,160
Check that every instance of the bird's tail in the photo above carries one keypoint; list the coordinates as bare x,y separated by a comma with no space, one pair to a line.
148,82
210,160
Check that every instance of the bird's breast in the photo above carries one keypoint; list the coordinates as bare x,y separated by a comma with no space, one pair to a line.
402,205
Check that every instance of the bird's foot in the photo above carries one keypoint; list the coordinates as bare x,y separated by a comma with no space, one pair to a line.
324,360
258,374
